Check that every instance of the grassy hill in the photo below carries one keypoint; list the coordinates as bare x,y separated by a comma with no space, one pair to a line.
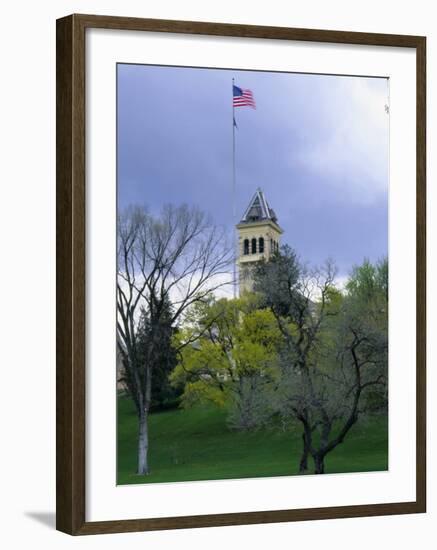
196,444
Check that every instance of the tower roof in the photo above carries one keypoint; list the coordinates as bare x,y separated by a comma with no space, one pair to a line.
258,209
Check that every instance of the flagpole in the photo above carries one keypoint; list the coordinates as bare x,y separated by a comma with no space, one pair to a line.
234,207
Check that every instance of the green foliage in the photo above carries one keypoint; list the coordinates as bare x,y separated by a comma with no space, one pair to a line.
154,346
368,280
366,313
229,359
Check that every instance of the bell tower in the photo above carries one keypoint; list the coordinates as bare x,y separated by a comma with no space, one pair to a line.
258,238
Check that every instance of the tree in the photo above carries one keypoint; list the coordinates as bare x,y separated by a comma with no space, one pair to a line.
368,281
232,364
367,315
164,395
334,348
165,264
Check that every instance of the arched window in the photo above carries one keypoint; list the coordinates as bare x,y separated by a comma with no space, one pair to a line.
261,245
272,248
253,246
246,246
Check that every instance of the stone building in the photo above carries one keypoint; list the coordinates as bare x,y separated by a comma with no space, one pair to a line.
258,238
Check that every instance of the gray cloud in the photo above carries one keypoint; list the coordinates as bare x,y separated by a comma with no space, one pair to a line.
317,145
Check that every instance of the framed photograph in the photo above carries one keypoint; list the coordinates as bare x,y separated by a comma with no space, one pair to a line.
240,274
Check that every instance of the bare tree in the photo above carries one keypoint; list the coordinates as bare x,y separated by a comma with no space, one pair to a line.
165,264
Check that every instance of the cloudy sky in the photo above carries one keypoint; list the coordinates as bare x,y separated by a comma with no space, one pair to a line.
316,144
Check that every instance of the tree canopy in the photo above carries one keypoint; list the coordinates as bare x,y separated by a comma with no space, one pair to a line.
233,361
299,348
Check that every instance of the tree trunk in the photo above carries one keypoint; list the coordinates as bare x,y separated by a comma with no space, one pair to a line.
143,444
319,464
303,465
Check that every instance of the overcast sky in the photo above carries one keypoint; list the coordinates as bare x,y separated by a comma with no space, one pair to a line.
317,145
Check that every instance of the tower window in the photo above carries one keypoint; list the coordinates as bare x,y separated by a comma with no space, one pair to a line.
274,246
261,245
253,246
246,246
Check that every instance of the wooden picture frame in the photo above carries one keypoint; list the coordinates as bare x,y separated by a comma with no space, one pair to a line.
71,283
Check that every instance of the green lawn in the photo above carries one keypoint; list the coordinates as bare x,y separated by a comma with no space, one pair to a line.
195,444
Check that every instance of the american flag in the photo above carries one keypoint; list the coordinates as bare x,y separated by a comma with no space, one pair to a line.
243,98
